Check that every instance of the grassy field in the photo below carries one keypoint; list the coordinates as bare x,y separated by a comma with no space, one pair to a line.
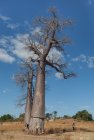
55,130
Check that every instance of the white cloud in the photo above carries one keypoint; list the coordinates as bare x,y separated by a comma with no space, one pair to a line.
81,58
55,56
59,75
19,43
12,25
4,57
4,18
36,30
7,22
89,60
3,41
17,46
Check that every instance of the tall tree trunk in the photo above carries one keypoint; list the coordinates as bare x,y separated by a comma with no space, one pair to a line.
29,100
38,108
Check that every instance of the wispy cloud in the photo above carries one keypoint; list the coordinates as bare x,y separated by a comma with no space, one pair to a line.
89,60
90,2
4,18
12,25
5,57
4,41
37,30
8,22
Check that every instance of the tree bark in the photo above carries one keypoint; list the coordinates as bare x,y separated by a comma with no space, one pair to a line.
29,101
38,107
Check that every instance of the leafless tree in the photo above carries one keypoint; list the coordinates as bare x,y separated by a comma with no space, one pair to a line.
50,37
25,77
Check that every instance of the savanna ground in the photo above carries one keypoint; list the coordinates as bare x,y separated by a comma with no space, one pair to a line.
55,130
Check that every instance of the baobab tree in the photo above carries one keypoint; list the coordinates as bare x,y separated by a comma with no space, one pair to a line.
49,38
25,77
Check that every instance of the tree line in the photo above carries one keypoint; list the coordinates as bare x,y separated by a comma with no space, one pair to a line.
80,115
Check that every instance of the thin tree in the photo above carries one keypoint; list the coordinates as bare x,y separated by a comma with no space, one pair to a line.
25,77
42,44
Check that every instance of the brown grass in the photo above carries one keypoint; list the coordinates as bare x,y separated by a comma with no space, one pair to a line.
54,131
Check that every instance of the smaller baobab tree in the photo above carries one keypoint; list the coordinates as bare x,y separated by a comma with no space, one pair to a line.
25,79
50,38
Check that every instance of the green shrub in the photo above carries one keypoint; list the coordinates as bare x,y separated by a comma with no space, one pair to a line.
6,117
83,115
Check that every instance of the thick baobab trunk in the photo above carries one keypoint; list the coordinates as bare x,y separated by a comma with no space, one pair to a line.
38,108
29,100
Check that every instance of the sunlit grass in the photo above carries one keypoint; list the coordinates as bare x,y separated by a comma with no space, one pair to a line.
54,131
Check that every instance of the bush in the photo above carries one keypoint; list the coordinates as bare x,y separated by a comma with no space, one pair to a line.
83,115
6,117
66,117
21,117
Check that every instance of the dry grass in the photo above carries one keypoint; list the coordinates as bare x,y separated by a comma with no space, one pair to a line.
11,126
15,131
66,124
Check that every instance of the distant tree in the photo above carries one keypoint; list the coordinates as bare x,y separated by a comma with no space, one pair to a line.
6,117
48,116
83,115
51,115
66,117
21,117
54,114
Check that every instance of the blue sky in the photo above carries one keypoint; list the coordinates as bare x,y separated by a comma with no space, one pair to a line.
65,96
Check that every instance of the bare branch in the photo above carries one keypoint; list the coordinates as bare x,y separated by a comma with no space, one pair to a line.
40,20
54,66
33,47
68,75
20,79
59,68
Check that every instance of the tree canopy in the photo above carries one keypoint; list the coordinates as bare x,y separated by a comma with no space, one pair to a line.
83,115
